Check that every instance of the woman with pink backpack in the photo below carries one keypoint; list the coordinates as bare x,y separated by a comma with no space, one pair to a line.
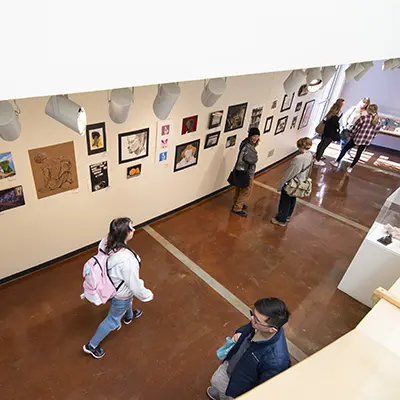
123,266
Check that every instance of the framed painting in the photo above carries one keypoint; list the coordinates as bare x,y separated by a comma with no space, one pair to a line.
235,117
268,124
287,102
215,119
212,140
255,118
96,139
230,141
281,125
189,125
134,171
7,167
186,155
306,115
133,145
11,198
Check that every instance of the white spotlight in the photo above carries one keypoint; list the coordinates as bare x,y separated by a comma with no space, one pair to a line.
294,81
353,70
367,67
119,104
327,74
314,79
393,63
166,97
214,89
10,126
68,113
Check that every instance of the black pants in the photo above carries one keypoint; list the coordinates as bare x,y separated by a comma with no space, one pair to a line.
323,144
286,206
350,144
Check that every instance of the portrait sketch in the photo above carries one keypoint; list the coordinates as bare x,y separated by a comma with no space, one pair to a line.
187,155
133,145
96,138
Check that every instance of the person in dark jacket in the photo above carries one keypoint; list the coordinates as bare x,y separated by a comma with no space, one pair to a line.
259,354
331,131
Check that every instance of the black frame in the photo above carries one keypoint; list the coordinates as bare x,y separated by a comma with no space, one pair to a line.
302,114
300,92
212,134
104,165
210,125
298,106
91,127
283,102
294,122
271,118
227,116
186,144
278,123
131,167
121,135
227,147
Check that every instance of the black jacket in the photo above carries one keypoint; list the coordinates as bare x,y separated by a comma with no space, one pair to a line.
332,128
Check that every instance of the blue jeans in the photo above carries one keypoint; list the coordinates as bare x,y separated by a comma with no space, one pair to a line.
118,309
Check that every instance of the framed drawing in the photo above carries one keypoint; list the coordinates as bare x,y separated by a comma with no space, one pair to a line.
255,118
287,102
230,141
186,155
96,139
189,125
235,117
7,167
268,124
212,140
134,171
133,145
281,125
298,106
99,176
305,117
215,119
11,198
302,90
293,124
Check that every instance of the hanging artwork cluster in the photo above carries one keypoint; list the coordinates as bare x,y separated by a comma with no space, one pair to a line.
164,129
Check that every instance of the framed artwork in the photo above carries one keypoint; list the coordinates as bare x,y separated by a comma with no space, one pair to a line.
305,117
163,156
230,141
212,140
134,171
255,118
133,145
54,169
7,167
303,90
274,104
298,106
215,119
96,139
235,117
11,198
186,155
268,124
164,132
281,125
294,120
189,125
287,102
99,176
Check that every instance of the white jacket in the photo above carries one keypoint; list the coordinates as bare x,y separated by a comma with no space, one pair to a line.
124,267
351,116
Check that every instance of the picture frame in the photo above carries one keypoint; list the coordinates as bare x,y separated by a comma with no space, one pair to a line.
268,124
287,102
281,125
212,139
186,155
133,145
96,138
189,124
11,198
7,166
298,106
134,171
235,117
303,90
231,141
215,119
306,115
274,104
255,118
99,176
294,121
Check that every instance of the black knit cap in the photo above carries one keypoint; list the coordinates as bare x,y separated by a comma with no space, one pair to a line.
254,132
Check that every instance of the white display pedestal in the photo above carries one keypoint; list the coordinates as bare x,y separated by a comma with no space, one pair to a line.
375,264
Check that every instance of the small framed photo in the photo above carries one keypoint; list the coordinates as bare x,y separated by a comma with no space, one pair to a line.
134,171
294,121
306,115
287,102
281,125
133,145
303,90
189,125
215,119
235,117
96,139
298,106
212,140
230,141
268,124
186,155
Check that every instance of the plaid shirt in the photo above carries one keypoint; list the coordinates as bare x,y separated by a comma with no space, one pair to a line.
363,132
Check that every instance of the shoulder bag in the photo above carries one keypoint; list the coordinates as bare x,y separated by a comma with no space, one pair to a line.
239,178
297,188
320,127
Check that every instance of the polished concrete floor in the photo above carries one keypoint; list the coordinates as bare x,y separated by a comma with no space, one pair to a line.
170,352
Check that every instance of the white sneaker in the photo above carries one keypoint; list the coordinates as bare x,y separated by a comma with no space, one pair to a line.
319,163
349,169
334,164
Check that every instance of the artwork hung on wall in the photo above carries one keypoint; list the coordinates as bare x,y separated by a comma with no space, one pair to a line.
134,171
215,119
303,90
96,139
54,169
133,145
274,104
230,141
281,125
235,117
189,125
294,120
287,102
298,106
187,155
255,118
99,176
268,124
11,198
163,157
164,131
7,167
212,140
305,117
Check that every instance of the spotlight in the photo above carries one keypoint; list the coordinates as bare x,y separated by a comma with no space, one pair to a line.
353,70
294,81
367,67
314,79
10,126
119,104
166,97
392,63
214,89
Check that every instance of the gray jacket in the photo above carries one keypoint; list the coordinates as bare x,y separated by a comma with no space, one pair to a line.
247,159
297,164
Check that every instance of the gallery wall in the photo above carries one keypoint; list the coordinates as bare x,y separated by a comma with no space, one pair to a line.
46,228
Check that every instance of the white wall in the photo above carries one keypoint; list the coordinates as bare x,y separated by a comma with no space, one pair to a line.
45,229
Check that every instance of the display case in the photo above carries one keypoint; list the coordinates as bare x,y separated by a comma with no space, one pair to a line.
389,134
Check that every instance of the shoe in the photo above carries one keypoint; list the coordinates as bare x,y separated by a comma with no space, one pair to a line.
287,220
334,164
97,352
136,314
323,158
276,222
245,207
319,163
349,170
212,393
241,213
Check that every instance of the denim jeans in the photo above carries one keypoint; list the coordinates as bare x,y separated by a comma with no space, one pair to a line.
118,309
286,206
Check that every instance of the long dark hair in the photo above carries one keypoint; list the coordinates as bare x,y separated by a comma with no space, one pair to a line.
119,229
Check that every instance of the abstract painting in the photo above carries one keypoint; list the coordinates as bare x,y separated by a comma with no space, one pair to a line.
133,145
11,198
235,117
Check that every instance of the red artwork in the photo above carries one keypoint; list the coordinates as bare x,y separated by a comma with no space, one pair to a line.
189,125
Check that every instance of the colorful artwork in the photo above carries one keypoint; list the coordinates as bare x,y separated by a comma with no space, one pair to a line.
230,141
11,198
96,138
215,119
163,156
99,176
133,145
307,111
7,168
134,171
281,125
212,140
187,155
236,116
163,140
189,125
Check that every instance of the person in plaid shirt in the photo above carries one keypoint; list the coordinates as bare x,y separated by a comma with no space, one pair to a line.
362,133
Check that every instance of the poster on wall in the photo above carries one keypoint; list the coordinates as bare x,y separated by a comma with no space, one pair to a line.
164,134
96,140
11,198
235,117
189,125
54,169
187,155
99,176
134,171
255,118
7,167
305,117
133,145
281,125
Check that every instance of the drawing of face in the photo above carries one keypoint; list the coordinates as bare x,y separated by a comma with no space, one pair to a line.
135,144
188,154
165,130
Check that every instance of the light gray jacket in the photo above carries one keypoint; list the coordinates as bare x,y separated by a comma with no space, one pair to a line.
247,159
297,164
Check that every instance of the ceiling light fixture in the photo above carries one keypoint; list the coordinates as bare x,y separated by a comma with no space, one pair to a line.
167,95
119,104
10,125
213,90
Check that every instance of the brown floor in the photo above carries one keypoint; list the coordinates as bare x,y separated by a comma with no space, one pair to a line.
170,352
